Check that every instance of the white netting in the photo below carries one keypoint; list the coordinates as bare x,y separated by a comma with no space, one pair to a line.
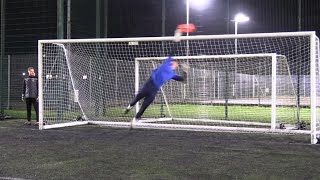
233,88
95,80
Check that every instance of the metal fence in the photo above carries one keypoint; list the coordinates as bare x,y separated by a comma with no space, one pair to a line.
15,70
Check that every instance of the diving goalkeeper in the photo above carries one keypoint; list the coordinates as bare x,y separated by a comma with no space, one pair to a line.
159,76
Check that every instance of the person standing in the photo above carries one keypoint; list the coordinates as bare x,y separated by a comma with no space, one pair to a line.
30,94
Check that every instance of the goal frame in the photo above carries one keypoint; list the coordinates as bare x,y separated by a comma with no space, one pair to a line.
313,86
273,57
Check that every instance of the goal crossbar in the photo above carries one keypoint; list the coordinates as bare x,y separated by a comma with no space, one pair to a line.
198,37
230,56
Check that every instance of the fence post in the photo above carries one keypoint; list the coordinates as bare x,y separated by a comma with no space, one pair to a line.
9,81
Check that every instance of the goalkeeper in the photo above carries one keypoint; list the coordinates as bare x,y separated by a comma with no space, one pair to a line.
159,76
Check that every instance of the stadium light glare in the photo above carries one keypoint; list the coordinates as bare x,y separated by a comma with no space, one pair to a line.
198,4
195,4
241,18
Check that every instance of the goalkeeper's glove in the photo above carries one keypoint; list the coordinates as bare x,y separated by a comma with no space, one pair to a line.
22,97
177,35
184,77
37,99
184,67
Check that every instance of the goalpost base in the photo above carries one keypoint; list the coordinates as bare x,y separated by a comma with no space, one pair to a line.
145,124
69,124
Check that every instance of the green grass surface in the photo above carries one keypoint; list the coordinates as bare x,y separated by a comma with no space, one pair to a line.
19,113
91,152
240,113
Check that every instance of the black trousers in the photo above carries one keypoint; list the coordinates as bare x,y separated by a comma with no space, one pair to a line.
148,92
30,102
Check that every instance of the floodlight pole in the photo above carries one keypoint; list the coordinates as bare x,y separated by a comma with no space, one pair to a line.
235,60
238,18
188,13
68,19
187,43
188,18
2,116
235,40
60,19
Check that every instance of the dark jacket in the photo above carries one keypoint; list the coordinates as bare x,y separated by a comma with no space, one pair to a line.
30,87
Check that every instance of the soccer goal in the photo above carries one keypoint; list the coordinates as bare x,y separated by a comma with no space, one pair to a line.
247,83
267,83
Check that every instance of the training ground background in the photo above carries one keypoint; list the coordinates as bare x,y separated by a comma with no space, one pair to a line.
93,152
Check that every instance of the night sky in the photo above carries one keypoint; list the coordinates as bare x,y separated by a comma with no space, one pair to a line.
30,20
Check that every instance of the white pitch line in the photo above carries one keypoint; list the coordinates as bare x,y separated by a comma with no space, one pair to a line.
11,178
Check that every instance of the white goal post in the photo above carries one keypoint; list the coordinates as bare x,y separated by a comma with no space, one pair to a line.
272,85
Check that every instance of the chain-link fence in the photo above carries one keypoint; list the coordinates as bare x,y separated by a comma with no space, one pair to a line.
15,70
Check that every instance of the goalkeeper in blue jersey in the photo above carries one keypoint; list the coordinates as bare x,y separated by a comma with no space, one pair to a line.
159,76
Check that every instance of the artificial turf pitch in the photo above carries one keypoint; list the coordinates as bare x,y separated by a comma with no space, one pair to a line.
92,152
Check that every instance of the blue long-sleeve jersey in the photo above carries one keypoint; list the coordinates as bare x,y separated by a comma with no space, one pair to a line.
164,73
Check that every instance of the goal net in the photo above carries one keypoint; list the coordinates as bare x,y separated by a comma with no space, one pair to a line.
271,84
245,89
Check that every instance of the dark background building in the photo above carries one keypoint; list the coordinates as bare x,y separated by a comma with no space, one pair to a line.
27,21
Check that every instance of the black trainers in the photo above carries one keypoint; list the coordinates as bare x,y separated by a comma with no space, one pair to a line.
125,111
27,123
37,123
